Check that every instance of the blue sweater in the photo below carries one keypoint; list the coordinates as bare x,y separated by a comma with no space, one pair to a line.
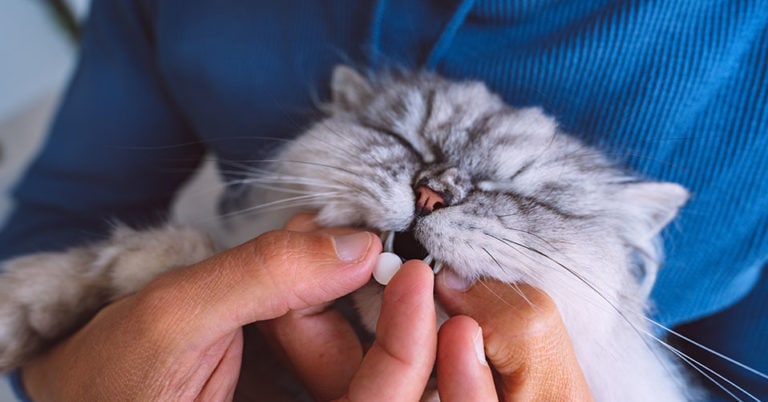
675,90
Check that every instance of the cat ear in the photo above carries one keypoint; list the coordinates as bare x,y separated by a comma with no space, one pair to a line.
348,88
652,204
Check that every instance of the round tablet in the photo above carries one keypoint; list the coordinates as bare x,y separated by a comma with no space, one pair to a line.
386,267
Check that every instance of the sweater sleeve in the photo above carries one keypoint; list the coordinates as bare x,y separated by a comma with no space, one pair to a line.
118,148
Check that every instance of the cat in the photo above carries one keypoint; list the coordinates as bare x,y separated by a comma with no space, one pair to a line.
518,200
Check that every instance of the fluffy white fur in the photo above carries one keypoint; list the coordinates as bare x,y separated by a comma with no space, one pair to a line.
526,203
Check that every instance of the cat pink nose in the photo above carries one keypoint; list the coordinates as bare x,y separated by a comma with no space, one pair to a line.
428,200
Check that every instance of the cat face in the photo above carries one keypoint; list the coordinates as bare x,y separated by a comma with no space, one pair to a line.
516,196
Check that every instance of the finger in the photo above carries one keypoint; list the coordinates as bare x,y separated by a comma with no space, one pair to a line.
262,279
303,223
319,344
307,223
321,347
399,363
463,373
525,338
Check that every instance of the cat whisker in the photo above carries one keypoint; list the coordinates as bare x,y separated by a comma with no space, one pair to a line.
559,264
513,284
493,258
700,367
543,240
342,137
344,186
240,167
498,296
531,268
292,180
295,180
271,185
310,206
590,285
258,173
246,165
289,179
707,349
318,164
304,200
207,142
287,190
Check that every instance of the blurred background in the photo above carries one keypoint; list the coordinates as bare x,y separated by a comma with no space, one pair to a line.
38,45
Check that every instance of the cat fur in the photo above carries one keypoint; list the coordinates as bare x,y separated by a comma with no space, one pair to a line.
526,203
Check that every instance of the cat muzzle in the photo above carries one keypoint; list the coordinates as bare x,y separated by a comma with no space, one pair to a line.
405,245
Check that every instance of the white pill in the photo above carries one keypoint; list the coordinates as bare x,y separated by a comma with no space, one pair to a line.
386,267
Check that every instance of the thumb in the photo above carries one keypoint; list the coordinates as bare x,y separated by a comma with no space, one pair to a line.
525,338
266,277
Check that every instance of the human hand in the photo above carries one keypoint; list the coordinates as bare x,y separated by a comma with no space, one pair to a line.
523,336
527,344
180,337
327,356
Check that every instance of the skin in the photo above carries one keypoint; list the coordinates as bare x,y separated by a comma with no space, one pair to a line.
524,339
180,338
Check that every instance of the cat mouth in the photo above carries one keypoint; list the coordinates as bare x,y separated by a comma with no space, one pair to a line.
405,246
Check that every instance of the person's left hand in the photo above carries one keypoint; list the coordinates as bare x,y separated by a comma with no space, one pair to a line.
180,337
327,356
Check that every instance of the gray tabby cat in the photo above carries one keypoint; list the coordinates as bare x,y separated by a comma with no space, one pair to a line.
519,201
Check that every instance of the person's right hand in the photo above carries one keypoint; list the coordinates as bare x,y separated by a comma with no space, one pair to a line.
522,335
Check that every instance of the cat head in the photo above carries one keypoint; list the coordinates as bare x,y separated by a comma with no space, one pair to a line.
485,188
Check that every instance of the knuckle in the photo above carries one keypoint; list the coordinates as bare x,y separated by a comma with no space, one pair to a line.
270,255
286,248
280,258
270,248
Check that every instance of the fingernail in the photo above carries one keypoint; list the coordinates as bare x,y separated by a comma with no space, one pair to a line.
352,247
455,281
479,348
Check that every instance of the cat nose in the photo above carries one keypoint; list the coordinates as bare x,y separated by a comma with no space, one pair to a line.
428,200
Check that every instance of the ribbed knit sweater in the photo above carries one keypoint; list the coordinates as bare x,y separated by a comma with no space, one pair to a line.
674,90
